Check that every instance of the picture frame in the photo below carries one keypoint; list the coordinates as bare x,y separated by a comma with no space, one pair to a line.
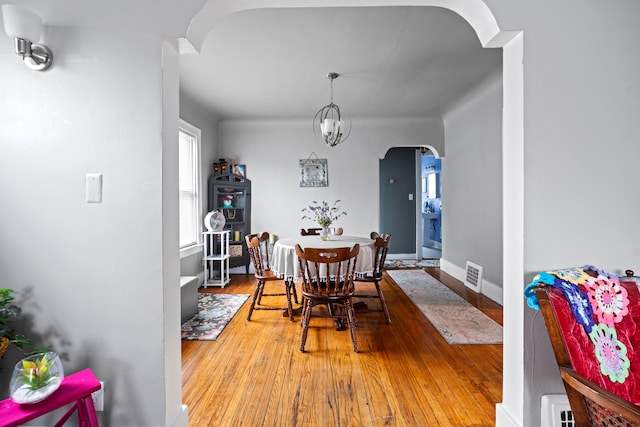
235,250
239,170
314,173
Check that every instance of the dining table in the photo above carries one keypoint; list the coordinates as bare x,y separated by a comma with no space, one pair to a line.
284,261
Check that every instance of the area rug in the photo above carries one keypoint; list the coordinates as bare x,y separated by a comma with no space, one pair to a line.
455,319
215,312
411,263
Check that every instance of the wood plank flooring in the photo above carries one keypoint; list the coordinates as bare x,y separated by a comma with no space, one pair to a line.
405,374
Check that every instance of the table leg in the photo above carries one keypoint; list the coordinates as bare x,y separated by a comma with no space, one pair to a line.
338,317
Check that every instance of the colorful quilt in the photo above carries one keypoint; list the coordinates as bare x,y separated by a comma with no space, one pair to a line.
598,316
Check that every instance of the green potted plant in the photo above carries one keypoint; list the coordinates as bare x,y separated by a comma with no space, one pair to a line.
9,312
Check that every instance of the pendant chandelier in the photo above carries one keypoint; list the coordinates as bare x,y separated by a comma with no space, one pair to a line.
328,124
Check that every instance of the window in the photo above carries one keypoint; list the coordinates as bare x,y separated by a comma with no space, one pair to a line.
432,186
189,187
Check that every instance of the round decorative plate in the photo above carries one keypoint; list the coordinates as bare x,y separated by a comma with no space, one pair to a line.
214,221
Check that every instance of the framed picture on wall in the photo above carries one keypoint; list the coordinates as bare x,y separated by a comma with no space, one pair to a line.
314,173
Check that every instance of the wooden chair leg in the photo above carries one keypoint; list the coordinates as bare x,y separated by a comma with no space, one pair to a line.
304,322
383,303
351,318
295,293
259,299
259,286
289,306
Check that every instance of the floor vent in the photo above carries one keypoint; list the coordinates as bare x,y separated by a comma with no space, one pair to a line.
473,276
555,411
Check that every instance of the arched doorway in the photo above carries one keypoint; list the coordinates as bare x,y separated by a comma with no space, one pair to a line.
479,16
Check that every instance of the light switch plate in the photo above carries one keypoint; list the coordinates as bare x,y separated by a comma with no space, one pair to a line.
93,188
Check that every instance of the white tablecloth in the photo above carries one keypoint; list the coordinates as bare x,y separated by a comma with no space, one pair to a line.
284,261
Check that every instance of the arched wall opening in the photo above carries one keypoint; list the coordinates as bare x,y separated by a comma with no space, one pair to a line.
510,411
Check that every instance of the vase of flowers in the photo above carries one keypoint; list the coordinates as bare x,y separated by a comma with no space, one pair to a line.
324,234
323,214
36,377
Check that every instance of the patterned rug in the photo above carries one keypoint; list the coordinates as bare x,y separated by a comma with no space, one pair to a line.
216,311
455,319
411,263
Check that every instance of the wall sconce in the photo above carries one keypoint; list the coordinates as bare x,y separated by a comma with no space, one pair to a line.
25,27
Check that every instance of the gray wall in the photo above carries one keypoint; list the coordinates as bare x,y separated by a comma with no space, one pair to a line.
191,112
472,183
272,151
397,213
92,276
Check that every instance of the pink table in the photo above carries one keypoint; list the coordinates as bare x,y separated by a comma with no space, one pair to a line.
75,388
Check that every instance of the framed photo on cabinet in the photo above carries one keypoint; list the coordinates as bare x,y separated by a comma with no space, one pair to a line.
239,171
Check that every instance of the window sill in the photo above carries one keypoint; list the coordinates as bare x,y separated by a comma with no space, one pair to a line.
190,250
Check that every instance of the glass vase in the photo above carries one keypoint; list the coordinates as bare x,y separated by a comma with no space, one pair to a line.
36,377
324,234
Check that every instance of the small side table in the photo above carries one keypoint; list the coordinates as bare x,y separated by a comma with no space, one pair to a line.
216,254
75,388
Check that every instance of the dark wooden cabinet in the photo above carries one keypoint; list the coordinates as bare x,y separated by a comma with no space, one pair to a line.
231,195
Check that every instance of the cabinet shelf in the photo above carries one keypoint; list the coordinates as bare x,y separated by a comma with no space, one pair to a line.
216,257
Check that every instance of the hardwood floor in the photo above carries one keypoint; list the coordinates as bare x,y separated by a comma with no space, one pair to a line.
405,374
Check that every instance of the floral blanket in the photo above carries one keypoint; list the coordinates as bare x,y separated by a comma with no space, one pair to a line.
597,313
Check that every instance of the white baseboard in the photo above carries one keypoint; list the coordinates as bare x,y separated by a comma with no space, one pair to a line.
488,289
503,418
401,256
182,419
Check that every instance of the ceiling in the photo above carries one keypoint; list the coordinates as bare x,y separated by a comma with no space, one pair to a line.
393,62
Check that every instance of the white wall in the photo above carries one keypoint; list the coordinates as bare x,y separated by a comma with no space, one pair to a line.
91,275
272,151
472,184
208,124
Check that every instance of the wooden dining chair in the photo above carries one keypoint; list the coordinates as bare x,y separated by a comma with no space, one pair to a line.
257,245
381,245
327,279
600,369
263,239
310,231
